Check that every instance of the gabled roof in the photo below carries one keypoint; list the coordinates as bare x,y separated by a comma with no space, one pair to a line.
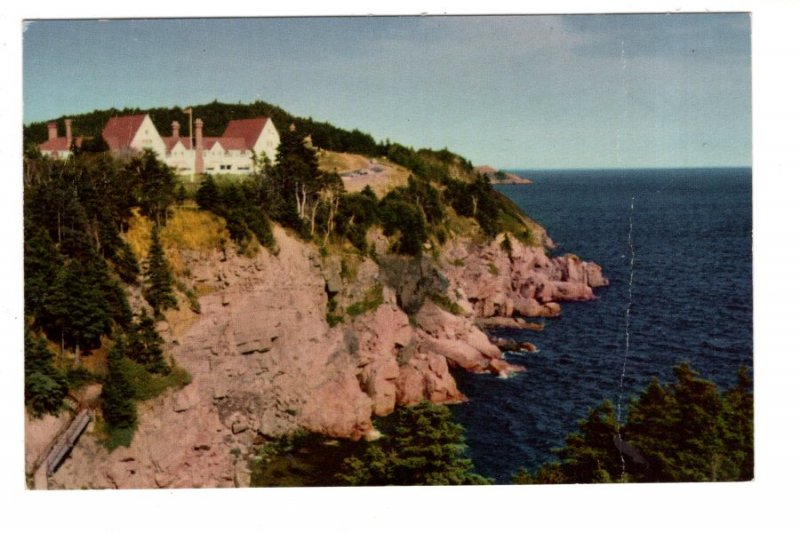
233,143
58,144
249,129
119,131
172,142
209,142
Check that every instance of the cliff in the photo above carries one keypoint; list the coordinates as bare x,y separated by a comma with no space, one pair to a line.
265,361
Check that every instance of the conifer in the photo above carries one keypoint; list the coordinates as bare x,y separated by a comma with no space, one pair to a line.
158,278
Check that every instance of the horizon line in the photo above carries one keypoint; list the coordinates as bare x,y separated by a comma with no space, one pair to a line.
594,169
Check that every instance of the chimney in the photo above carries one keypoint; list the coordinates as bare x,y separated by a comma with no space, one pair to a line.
176,128
198,143
52,130
68,126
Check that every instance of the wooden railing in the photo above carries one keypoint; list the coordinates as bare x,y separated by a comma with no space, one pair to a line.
66,441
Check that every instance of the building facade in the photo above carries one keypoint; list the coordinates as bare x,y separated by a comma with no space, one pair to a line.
232,153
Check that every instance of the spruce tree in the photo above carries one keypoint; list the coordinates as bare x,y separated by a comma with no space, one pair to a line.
684,431
45,385
158,278
424,447
208,195
117,403
145,345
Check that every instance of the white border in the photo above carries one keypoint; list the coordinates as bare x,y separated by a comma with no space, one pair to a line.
768,504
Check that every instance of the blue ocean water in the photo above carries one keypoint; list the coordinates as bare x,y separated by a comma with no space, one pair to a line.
691,301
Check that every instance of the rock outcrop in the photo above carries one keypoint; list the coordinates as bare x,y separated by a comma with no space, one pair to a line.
506,278
265,361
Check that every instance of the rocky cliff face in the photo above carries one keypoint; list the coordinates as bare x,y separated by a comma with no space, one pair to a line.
266,363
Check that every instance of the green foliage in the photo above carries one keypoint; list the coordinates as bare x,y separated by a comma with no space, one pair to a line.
477,200
686,431
424,448
443,301
399,215
117,403
332,314
158,277
45,385
75,211
301,460
191,295
146,385
158,185
81,303
372,300
356,213
145,345
244,206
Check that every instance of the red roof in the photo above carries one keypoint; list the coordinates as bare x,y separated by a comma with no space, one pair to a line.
249,129
171,142
59,144
119,131
233,143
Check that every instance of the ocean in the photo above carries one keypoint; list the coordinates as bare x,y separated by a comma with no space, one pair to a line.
690,300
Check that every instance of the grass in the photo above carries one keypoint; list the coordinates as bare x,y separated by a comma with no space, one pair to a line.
372,300
194,229
115,437
191,296
446,303
147,385
187,228
340,162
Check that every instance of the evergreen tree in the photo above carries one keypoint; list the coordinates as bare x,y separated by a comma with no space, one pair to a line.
45,385
41,263
424,448
76,310
145,345
117,404
158,278
208,195
156,184
686,431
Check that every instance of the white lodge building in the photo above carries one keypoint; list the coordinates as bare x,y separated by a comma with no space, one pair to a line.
232,153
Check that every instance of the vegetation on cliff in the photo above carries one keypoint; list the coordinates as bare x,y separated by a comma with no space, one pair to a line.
684,431
104,238
421,445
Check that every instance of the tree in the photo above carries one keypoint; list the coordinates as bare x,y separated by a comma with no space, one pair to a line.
208,196
145,345
158,277
117,403
156,183
685,431
424,448
77,310
45,385
401,216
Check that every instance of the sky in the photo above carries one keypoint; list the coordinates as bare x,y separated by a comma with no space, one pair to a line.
563,91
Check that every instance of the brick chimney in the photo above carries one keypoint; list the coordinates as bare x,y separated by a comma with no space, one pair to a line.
176,128
52,130
68,126
198,143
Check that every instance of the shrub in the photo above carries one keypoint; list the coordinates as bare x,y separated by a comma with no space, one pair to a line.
372,300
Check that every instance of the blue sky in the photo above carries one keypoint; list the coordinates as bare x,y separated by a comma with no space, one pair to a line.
515,92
